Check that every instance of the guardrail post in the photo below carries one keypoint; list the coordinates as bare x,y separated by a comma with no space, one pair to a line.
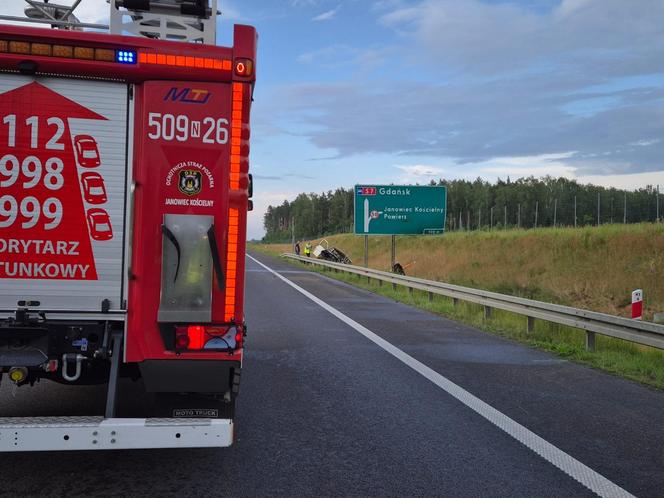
630,330
380,283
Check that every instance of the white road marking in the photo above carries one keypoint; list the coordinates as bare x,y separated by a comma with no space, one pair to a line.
571,466
254,270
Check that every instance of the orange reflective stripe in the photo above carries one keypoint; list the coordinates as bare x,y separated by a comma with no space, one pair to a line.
188,61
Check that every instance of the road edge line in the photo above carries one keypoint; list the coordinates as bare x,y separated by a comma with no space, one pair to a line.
578,471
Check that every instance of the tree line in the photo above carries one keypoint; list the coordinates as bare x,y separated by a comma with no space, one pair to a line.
479,205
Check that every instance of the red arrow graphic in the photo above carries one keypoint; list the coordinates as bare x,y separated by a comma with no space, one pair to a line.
43,229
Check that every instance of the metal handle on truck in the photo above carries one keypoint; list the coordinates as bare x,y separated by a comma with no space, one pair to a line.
170,236
216,260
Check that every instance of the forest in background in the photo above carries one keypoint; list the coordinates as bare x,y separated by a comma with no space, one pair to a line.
478,205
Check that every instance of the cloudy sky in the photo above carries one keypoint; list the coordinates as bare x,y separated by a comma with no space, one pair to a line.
397,91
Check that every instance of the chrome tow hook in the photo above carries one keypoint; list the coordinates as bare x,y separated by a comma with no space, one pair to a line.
68,358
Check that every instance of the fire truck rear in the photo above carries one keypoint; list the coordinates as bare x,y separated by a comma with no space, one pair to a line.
124,191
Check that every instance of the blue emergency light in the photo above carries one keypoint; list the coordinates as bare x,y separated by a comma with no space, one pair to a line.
125,56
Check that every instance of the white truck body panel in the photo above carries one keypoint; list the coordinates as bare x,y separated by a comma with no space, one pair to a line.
103,169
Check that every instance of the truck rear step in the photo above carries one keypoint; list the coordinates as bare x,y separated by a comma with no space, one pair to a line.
99,433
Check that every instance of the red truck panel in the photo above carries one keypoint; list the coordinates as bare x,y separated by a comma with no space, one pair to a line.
184,133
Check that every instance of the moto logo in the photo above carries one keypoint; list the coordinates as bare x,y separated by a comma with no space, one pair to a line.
188,95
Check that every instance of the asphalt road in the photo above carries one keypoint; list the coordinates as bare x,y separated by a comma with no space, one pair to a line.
326,411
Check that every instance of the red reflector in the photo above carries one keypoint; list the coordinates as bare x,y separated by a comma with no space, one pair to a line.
214,330
238,339
181,341
196,334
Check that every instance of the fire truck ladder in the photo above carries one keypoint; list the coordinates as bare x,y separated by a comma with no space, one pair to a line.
177,20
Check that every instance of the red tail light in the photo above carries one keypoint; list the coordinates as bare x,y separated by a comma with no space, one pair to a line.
181,338
196,335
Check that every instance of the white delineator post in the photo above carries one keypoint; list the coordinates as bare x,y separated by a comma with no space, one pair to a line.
637,304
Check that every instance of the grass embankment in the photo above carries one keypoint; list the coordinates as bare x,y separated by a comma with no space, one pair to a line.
592,268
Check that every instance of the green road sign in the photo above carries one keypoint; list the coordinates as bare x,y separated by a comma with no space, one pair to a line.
399,209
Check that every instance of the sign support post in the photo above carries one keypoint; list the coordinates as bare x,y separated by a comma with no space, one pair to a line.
393,258
366,251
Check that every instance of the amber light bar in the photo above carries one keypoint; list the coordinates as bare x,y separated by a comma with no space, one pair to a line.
233,213
123,56
184,61
236,135
231,263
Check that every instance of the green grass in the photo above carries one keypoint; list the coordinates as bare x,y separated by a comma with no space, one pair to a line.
594,268
639,363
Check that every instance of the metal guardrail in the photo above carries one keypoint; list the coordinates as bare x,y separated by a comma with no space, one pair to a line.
646,333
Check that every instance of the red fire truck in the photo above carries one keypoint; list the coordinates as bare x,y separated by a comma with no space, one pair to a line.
124,191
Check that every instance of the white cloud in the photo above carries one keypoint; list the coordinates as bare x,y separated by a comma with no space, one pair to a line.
97,11
89,11
628,182
340,55
569,7
499,81
13,7
94,11
261,202
304,3
336,54
419,173
537,166
487,38
554,165
229,12
327,16
646,143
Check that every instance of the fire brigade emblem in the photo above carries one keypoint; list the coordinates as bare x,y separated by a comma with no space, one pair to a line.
191,182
